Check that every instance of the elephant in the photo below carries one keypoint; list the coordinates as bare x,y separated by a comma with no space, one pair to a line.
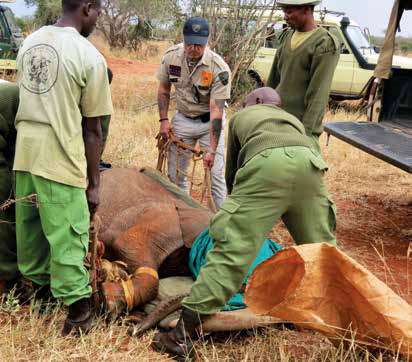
149,224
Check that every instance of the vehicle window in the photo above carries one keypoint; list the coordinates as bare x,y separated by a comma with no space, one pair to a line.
272,32
14,27
3,32
358,37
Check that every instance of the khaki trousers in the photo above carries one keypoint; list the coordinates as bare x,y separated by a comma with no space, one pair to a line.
190,131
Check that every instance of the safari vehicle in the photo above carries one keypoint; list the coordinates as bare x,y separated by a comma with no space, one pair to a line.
357,61
11,37
390,138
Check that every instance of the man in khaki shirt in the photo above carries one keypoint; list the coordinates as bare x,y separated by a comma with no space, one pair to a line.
64,92
202,82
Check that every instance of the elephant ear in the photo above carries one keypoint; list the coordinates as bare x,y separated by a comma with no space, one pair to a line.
155,235
193,221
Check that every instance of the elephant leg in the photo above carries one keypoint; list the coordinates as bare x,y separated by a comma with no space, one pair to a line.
143,248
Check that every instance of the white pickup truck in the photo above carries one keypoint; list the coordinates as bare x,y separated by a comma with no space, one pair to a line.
357,61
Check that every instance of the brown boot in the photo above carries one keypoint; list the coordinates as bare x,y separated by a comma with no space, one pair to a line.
178,341
79,319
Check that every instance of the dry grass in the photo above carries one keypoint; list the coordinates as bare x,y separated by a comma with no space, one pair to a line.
28,335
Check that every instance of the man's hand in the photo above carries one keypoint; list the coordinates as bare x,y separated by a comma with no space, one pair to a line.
208,160
165,129
93,199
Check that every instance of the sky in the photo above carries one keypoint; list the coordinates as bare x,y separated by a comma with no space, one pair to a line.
373,14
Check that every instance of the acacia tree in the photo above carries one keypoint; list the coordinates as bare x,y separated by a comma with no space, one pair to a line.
123,22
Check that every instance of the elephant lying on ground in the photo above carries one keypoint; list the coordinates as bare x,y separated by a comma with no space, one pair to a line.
149,224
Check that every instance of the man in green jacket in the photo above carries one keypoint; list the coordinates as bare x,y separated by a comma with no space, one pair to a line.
304,65
272,172
9,101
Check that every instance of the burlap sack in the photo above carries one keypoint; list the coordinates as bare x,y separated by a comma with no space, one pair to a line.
318,287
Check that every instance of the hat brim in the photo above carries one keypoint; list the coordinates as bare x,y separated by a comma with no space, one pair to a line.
297,3
194,39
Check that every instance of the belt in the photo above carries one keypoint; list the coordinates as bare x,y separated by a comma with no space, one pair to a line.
204,118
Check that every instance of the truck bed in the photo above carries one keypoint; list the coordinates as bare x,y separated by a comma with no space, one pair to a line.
387,141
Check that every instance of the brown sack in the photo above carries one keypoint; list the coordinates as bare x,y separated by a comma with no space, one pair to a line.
317,286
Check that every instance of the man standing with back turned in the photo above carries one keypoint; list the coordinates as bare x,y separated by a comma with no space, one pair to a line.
202,82
304,65
64,90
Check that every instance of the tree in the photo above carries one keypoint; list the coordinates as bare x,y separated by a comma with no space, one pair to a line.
47,11
125,22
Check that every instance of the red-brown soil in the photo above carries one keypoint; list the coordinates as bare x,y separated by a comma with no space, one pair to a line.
376,235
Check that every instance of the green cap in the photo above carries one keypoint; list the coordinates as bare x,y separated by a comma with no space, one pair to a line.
298,2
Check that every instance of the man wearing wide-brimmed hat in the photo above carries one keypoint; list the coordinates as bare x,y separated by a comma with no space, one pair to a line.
304,65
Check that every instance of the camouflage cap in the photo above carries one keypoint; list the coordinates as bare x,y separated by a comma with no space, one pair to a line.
297,2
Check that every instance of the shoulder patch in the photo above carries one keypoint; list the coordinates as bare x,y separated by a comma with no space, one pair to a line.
329,43
224,77
175,70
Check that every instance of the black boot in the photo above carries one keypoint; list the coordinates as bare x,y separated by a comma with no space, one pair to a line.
79,319
178,341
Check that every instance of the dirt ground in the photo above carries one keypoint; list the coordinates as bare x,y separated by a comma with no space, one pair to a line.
128,66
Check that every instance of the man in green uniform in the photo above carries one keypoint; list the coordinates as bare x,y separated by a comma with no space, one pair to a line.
304,65
64,90
272,172
9,101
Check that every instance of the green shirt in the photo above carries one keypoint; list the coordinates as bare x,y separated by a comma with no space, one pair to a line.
303,76
9,102
62,78
257,128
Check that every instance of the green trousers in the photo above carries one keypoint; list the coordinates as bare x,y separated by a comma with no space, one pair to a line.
8,253
278,183
52,239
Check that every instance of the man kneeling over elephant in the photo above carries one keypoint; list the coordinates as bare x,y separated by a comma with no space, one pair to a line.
272,172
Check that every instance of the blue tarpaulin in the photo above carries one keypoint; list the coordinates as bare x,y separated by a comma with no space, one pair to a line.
197,258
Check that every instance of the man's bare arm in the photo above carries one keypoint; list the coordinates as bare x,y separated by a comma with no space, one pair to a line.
216,115
163,100
93,141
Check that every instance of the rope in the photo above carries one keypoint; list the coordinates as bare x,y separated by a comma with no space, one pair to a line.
148,271
196,156
10,202
128,293
32,198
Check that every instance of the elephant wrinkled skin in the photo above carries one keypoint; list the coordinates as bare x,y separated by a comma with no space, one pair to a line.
146,221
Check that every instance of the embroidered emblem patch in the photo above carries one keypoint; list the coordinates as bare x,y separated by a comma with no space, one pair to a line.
206,78
224,77
40,69
196,28
175,70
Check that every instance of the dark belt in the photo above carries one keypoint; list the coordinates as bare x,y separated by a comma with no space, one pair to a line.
204,118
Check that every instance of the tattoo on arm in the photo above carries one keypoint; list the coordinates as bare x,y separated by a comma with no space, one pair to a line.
220,103
163,101
216,129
